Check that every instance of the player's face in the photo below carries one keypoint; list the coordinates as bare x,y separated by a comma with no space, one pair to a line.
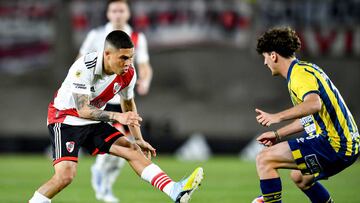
118,13
119,60
269,61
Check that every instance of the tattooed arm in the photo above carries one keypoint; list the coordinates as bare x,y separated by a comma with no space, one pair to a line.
85,110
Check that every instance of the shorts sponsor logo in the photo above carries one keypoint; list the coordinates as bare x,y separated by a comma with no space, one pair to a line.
313,163
117,88
70,146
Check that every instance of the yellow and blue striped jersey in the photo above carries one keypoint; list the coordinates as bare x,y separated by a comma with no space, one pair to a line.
334,120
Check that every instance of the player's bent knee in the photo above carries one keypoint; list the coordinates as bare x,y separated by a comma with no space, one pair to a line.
265,161
64,179
296,177
65,174
301,181
262,159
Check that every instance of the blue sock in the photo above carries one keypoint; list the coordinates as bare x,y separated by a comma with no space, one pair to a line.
271,190
318,194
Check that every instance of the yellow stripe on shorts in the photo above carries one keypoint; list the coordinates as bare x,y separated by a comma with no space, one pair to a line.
297,154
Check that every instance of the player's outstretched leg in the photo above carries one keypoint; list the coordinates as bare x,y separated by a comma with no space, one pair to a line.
179,192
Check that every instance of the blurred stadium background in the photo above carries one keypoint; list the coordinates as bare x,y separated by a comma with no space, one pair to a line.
208,79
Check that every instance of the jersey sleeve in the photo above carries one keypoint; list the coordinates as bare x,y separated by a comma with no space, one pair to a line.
80,78
141,52
304,83
88,45
128,92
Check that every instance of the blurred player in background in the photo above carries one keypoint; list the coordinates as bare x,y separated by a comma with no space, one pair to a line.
106,168
331,139
76,119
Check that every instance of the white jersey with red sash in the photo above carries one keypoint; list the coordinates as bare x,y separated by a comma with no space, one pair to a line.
86,76
95,42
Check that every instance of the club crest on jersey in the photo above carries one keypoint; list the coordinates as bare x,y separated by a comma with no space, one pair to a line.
70,146
117,88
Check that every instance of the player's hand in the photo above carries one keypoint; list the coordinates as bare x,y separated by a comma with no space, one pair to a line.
266,119
128,118
268,138
142,87
146,148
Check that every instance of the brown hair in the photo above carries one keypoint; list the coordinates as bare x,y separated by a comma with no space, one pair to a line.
283,41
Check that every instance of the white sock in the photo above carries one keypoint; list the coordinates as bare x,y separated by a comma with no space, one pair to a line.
168,187
101,160
39,198
113,172
109,167
154,175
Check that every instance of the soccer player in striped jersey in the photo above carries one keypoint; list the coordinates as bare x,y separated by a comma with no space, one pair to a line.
330,142
107,168
77,119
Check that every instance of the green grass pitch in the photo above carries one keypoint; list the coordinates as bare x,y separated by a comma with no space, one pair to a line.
227,180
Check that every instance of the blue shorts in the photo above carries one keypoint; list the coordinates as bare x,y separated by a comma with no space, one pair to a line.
314,155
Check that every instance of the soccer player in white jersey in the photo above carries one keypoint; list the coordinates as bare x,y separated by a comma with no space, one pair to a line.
76,119
107,168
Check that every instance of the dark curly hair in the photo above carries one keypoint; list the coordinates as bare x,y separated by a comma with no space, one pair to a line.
283,41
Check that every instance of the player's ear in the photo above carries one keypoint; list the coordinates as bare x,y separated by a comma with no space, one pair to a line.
273,56
107,53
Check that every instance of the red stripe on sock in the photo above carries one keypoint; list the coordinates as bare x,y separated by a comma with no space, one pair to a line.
165,184
160,180
156,177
